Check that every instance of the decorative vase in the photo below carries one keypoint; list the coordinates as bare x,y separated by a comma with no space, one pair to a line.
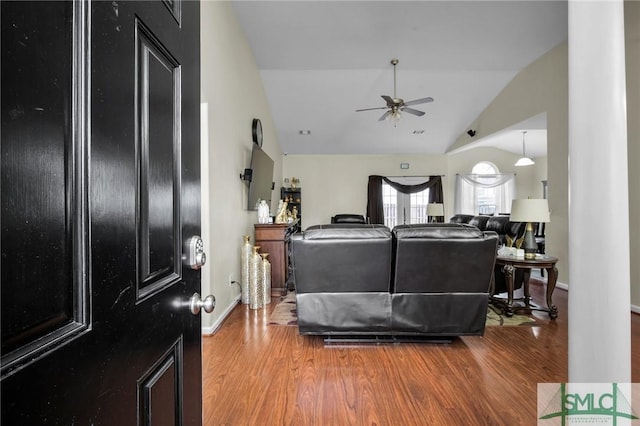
266,279
263,212
255,279
245,257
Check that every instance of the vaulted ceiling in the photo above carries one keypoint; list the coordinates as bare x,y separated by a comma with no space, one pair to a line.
322,60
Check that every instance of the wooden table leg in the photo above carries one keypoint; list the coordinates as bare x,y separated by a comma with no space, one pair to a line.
526,273
509,272
552,277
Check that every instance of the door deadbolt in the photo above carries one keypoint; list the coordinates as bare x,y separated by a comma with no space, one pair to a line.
194,256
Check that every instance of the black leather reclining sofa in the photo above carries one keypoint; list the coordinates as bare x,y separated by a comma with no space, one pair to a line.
499,224
503,226
417,280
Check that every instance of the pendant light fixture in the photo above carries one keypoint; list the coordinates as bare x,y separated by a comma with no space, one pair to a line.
524,161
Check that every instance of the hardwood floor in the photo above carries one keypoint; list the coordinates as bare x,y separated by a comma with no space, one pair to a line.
255,374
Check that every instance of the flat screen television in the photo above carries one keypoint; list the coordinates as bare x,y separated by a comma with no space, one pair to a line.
261,183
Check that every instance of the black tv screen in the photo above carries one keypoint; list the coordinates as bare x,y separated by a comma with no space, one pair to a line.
260,186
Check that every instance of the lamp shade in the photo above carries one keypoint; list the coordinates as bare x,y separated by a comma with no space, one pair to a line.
524,161
435,209
529,210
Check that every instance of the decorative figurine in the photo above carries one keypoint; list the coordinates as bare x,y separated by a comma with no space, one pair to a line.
281,217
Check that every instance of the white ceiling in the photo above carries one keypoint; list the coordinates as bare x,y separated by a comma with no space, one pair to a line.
322,60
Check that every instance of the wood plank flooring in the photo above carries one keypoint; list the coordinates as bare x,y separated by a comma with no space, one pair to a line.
255,374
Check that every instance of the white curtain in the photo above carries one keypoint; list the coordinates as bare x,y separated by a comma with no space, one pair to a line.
467,185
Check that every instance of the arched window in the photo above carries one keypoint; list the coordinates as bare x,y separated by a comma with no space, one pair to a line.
484,191
485,197
485,168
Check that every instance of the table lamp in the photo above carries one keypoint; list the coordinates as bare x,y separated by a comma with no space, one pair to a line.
529,210
433,210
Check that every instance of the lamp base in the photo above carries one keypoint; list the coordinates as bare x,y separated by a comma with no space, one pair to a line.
529,245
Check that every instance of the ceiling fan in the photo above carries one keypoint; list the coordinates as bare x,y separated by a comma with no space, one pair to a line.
395,106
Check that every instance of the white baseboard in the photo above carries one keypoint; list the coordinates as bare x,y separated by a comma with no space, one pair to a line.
634,308
212,329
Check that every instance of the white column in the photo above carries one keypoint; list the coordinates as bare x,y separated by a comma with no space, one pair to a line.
599,299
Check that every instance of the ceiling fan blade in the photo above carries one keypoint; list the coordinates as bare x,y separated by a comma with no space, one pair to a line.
384,116
412,111
370,109
388,100
419,101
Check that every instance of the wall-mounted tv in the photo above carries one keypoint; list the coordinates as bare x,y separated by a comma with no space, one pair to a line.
261,181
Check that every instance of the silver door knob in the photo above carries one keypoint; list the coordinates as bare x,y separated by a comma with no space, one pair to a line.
208,304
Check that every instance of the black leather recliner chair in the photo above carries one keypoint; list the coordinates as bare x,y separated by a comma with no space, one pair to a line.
348,218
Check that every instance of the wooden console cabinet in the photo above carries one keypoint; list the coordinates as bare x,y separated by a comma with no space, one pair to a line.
274,239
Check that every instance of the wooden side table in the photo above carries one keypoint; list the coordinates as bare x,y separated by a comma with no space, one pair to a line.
274,239
509,266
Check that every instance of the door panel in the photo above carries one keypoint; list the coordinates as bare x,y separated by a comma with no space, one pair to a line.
159,391
43,169
158,145
100,183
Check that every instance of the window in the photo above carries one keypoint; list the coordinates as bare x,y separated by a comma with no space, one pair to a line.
402,208
484,191
486,197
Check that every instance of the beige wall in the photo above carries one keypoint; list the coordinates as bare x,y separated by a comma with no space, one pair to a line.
543,87
632,27
233,92
528,179
539,88
334,184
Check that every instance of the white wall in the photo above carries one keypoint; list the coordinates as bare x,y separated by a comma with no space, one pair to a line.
233,92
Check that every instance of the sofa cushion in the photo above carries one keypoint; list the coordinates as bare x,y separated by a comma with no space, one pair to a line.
344,313
479,222
497,224
437,230
461,218
346,230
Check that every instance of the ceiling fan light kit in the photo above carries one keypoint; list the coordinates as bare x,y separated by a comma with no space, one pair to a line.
524,161
395,105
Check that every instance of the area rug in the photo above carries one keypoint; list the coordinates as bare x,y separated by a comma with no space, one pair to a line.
285,311
285,314
495,318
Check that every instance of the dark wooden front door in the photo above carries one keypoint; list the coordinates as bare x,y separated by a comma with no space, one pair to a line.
100,193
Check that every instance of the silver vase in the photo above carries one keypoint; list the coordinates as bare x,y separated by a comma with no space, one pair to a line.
245,257
255,280
266,279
